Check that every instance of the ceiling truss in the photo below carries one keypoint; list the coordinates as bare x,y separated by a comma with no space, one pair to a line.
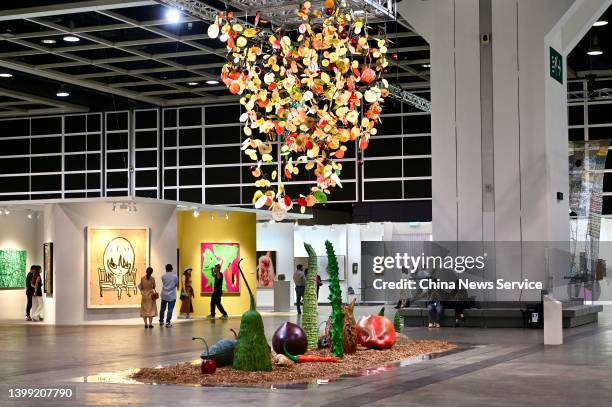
157,84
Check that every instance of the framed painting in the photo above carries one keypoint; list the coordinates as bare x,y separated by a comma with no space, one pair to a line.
48,267
117,258
266,269
12,269
227,255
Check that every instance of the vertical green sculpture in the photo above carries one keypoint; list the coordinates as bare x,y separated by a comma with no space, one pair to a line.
397,322
335,297
252,352
310,316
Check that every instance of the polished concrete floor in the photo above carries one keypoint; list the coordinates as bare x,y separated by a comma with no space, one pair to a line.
503,367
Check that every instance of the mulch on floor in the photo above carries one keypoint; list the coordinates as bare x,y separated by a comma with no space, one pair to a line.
188,373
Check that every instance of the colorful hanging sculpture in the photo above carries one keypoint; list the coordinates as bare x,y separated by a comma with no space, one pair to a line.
252,352
314,89
310,315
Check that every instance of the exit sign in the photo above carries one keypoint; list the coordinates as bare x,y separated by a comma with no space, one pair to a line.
556,65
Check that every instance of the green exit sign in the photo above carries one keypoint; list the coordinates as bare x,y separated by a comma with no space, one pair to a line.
556,65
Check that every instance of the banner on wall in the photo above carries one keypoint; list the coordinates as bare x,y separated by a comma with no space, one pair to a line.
117,258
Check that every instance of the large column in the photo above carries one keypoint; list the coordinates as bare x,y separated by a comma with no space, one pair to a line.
499,120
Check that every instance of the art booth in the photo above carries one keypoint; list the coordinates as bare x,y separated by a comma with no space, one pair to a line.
93,254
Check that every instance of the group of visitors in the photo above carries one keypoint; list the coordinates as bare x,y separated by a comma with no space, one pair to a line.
34,292
170,284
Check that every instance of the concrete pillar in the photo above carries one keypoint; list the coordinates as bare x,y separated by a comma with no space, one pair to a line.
499,120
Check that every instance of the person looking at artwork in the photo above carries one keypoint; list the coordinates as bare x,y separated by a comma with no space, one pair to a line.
434,309
299,279
215,300
186,294
168,295
29,292
148,308
37,310
319,284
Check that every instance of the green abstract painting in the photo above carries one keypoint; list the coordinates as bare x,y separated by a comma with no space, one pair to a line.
228,256
12,269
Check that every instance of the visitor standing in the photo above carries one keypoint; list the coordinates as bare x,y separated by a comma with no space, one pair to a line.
215,300
186,294
168,295
148,308
434,309
319,284
299,279
29,292
37,310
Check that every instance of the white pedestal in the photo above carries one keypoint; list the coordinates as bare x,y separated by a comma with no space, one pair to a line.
553,322
282,296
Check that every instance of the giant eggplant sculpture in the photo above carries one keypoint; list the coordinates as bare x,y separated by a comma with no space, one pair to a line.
221,352
292,337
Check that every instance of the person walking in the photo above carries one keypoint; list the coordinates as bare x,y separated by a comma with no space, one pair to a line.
215,300
186,294
148,308
37,311
168,295
29,292
299,278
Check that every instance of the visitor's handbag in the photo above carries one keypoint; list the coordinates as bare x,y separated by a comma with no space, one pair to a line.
154,296
184,294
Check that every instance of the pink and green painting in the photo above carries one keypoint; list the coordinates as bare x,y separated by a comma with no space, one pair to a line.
228,256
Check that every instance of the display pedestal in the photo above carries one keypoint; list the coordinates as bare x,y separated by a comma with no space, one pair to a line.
553,322
282,296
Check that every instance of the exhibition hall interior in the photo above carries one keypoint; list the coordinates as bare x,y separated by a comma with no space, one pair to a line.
314,202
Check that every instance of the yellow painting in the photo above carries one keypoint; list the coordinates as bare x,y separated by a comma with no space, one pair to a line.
117,258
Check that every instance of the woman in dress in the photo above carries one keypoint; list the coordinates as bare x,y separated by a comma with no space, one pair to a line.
148,306
186,294
37,311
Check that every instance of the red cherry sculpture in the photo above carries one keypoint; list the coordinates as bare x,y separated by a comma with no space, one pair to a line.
293,336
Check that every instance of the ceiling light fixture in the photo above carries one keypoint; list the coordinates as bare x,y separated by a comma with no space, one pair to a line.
426,65
29,214
196,213
62,93
71,38
212,82
212,216
192,83
595,49
48,41
6,75
114,206
173,16
6,211
600,23
226,216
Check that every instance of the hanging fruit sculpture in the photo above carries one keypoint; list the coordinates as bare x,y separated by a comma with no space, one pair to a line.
314,89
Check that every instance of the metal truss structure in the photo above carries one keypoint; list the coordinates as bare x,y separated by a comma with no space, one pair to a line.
128,49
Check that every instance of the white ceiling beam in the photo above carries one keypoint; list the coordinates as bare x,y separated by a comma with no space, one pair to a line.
34,99
70,79
70,8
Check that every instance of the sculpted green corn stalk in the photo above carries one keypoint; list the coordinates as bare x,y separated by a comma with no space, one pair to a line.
335,297
310,316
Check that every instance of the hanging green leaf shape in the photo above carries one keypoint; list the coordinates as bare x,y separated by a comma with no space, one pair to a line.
335,297
310,316
252,352
12,269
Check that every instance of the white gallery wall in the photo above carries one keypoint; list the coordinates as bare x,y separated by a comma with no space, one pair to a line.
276,237
18,232
67,229
288,242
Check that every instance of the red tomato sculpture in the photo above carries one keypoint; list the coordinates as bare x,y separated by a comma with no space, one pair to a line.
376,332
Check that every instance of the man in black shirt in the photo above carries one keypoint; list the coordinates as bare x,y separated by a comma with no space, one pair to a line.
29,292
215,300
